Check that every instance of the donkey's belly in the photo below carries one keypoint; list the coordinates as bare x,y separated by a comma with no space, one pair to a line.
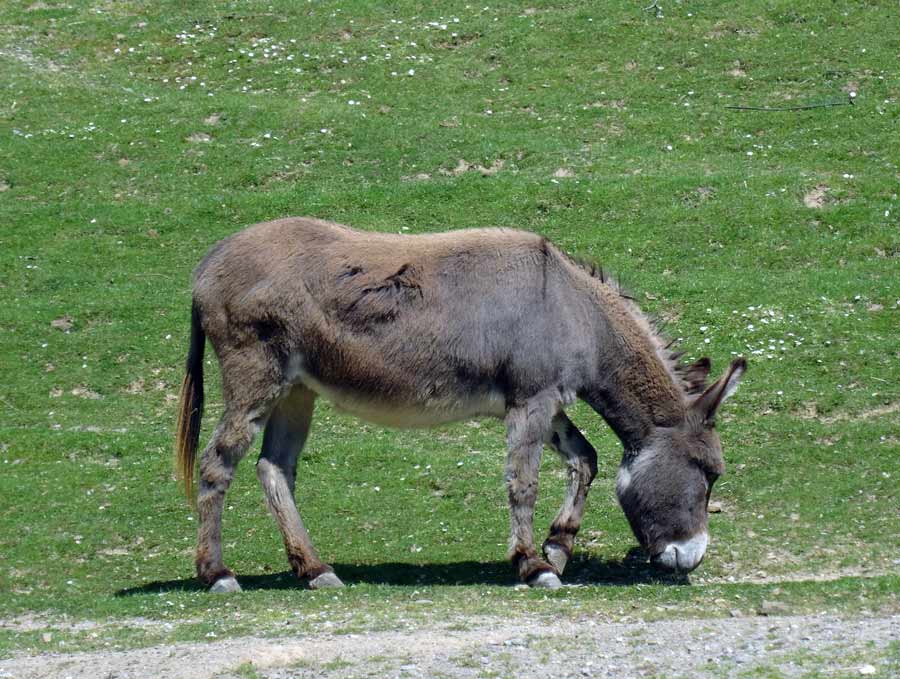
415,414
413,411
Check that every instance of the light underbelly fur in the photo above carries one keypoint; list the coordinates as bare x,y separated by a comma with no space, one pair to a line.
426,412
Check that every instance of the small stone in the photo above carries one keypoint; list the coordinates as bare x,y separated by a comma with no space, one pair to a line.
867,669
736,613
715,507
225,585
327,580
772,608
46,637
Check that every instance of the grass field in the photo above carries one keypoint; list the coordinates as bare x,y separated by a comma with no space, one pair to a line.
135,135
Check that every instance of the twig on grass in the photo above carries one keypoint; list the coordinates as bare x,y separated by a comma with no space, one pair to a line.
824,104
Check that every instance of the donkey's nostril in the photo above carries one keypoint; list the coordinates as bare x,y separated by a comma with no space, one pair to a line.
684,555
667,559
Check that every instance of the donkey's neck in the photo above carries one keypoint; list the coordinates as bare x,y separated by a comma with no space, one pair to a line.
635,391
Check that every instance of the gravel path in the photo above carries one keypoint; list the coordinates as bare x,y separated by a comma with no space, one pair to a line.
792,646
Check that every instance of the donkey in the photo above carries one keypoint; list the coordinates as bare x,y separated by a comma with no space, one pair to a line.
414,331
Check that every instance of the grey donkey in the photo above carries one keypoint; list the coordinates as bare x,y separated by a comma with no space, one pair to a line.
417,330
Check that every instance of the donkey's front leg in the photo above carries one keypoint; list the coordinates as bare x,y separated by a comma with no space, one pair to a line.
527,427
581,460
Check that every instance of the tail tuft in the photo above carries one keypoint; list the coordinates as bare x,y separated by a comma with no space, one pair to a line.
190,411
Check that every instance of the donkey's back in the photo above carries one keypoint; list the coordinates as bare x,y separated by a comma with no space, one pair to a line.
398,329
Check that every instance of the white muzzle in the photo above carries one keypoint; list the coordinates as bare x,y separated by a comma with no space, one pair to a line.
684,555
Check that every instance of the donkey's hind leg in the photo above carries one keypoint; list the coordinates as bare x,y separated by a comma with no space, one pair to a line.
581,460
250,386
229,443
283,440
527,426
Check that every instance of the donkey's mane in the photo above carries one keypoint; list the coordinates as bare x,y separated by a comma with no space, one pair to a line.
690,377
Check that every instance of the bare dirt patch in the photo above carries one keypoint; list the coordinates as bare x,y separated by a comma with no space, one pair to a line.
815,199
797,576
809,411
521,648
65,323
81,391
464,166
33,62
870,413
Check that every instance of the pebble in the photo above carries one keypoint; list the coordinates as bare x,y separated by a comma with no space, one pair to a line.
772,608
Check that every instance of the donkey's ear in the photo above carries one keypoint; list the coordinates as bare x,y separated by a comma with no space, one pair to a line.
709,401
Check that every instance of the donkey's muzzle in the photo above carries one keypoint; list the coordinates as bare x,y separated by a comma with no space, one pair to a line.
682,556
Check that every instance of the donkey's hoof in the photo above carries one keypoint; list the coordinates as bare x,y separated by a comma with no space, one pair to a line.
546,580
557,557
225,585
325,580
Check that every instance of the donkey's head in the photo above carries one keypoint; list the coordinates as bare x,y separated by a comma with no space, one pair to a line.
664,486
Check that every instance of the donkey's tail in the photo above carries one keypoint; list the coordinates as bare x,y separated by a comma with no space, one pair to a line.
187,433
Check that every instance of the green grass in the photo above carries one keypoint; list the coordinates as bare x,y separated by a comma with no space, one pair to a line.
118,168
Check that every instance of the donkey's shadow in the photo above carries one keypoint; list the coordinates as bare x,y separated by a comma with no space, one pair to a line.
583,570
